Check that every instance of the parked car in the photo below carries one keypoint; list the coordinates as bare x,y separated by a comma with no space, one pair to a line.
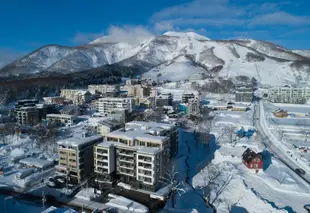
300,171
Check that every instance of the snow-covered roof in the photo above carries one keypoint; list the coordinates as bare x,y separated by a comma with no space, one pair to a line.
107,144
76,142
54,209
144,131
59,116
36,162
147,150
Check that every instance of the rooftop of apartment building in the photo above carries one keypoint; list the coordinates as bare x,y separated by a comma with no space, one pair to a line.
139,149
60,116
149,131
79,141
109,123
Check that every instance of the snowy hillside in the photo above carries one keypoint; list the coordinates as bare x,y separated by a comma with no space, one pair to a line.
173,56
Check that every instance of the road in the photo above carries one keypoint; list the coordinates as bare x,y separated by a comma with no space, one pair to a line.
275,146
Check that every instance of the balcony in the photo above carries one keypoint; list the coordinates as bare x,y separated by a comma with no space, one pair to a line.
101,158
126,159
145,159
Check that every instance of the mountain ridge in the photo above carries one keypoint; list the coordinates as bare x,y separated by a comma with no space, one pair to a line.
225,58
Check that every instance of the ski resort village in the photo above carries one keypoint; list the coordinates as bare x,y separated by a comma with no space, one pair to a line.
205,126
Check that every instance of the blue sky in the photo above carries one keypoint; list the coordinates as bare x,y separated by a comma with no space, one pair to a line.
27,25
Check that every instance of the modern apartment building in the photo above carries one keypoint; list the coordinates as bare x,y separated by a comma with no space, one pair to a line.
108,105
77,96
29,115
138,153
76,158
137,90
101,88
64,119
288,94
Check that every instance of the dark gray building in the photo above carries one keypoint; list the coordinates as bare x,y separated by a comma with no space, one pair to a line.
164,100
187,96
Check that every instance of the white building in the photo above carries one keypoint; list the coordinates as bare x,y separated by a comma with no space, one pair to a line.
139,153
102,88
288,94
67,120
77,96
108,105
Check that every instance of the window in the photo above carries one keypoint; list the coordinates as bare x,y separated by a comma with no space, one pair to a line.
256,165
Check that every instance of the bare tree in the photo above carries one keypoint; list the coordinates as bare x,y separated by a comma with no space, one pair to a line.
229,132
215,182
170,179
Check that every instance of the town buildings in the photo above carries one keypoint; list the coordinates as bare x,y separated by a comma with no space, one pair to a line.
252,160
102,88
244,94
76,159
66,120
280,113
137,91
138,153
77,96
288,94
109,104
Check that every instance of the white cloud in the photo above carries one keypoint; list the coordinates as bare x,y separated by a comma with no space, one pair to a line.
280,18
128,34
84,38
163,26
7,56
199,8
218,13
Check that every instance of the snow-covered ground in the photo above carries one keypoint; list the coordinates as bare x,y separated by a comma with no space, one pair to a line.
86,194
292,132
275,189
125,205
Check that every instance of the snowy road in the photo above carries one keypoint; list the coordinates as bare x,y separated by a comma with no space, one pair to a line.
275,146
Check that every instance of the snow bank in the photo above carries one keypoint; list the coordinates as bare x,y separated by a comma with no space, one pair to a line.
17,152
126,204
87,194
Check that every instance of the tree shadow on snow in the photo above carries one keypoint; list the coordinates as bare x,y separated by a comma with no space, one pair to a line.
238,209
266,159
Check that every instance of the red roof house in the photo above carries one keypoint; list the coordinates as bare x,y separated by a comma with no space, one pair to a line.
252,160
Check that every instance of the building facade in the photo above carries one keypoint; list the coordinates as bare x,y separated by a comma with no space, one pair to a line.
193,106
77,96
108,105
28,115
67,120
244,94
288,95
141,152
76,158
102,88
164,100
187,96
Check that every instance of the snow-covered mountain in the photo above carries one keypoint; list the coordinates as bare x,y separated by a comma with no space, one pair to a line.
173,56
